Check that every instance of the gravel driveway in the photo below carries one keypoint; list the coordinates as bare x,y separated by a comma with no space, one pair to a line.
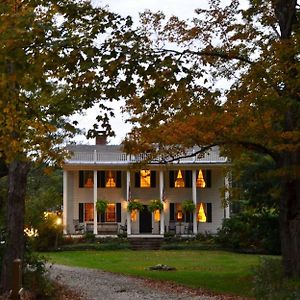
95,284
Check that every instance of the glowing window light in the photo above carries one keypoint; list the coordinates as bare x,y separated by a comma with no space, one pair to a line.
110,180
145,178
133,215
156,215
201,214
179,182
89,183
200,180
179,216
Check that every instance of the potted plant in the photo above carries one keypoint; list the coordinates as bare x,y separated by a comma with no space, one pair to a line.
188,206
101,206
135,205
155,205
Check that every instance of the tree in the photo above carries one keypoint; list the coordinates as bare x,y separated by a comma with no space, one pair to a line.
173,78
49,59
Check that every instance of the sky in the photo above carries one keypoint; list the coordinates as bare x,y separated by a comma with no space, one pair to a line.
181,8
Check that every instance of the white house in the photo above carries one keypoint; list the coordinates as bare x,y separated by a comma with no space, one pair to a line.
105,172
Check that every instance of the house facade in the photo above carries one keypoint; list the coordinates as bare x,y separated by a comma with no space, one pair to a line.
94,172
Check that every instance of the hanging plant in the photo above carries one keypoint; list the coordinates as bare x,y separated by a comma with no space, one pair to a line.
135,205
188,206
101,206
155,205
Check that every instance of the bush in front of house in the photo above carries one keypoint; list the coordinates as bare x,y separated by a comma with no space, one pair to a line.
249,232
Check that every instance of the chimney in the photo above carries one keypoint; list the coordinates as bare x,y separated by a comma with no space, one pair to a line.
101,138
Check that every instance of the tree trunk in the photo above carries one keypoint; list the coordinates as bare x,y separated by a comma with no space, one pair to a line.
17,180
290,217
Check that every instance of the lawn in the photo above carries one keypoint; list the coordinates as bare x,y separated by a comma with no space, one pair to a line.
218,271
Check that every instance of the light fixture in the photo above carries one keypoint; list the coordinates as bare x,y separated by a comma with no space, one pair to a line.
156,215
89,183
200,180
179,182
110,180
201,214
133,215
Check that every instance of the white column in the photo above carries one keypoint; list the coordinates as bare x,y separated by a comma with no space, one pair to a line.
95,200
226,210
161,193
128,199
194,196
65,201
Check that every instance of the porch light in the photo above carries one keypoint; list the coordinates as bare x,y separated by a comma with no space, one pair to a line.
179,215
200,180
201,214
179,182
156,215
133,215
110,180
89,183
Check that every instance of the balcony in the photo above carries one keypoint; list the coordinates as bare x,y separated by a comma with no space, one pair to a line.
121,158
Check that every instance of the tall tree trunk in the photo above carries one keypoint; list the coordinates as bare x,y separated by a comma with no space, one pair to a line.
290,217
17,180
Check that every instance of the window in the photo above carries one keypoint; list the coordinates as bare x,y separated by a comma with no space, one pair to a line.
110,214
145,179
204,212
203,179
88,212
109,179
177,214
86,179
180,179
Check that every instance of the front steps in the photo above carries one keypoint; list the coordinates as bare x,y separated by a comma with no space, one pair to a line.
145,243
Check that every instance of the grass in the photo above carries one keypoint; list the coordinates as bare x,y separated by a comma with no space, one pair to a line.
217,271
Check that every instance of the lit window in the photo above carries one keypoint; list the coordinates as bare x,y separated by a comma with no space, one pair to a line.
88,212
145,178
88,179
110,214
201,215
179,182
110,181
200,180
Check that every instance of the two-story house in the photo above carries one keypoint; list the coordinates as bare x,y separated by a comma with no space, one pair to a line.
104,172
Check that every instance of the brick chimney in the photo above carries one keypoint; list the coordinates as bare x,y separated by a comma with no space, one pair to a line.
101,138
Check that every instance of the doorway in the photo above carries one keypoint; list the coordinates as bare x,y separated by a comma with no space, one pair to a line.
145,220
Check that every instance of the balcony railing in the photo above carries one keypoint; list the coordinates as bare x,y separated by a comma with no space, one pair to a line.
123,158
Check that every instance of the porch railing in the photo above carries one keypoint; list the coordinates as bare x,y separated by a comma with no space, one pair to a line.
123,158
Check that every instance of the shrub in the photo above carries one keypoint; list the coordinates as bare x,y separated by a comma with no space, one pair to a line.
270,283
101,206
250,232
188,206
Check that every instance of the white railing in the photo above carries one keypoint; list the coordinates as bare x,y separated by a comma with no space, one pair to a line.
123,158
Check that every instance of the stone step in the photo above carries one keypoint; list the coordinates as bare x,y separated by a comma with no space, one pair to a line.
145,243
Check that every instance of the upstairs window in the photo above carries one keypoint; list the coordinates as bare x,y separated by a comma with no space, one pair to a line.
180,179
203,179
86,179
109,179
145,179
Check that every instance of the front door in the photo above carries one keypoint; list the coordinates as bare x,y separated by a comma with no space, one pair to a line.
145,220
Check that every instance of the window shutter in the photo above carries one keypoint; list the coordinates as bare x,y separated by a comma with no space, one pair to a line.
188,179
118,205
153,179
98,179
137,179
172,211
119,179
81,179
208,212
80,216
208,178
171,179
